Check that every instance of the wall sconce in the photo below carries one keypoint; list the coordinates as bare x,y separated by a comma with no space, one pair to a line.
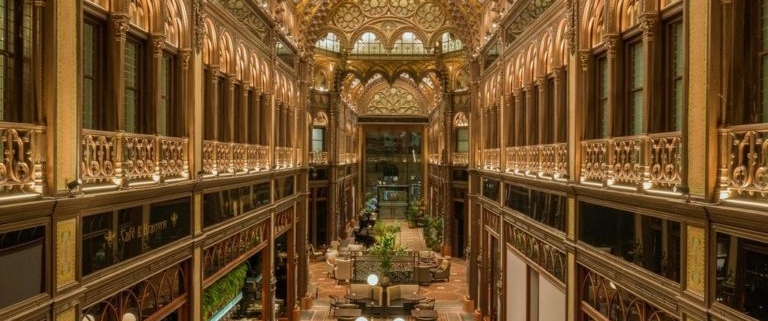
71,186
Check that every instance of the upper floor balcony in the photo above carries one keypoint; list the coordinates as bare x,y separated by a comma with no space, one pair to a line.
643,163
650,163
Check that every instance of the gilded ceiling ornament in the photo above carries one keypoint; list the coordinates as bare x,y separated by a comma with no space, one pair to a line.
402,7
374,8
393,101
348,17
430,16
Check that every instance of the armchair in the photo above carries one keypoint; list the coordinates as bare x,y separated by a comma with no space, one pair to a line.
423,275
442,272
315,254
343,270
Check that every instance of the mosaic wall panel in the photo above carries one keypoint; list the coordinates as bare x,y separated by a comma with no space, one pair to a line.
66,235
695,253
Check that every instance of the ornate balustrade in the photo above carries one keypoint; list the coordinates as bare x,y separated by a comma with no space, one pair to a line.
743,165
491,159
543,161
23,155
232,158
461,158
594,160
123,158
650,162
319,158
664,160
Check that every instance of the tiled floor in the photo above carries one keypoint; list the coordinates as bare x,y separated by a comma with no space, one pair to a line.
449,295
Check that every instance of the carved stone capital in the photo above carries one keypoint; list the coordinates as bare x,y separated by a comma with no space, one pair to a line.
121,26
648,25
231,78
584,56
610,42
158,44
185,55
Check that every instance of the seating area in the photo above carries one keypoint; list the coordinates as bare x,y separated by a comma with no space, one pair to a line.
444,294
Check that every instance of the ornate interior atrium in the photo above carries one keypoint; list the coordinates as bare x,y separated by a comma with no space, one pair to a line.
200,160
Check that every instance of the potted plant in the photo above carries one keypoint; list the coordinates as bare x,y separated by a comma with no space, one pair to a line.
386,248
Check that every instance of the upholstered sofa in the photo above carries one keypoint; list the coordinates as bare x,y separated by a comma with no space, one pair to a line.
363,291
395,294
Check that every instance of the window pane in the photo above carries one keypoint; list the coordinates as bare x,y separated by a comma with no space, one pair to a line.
131,80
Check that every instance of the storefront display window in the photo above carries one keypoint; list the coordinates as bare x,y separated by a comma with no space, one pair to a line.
115,236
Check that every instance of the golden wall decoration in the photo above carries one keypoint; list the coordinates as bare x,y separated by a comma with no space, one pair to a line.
695,253
66,235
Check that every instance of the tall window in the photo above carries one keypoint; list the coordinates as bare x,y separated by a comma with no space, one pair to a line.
318,139
749,79
549,131
16,100
632,123
132,79
562,107
601,123
668,116
93,75
166,115
208,126
462,140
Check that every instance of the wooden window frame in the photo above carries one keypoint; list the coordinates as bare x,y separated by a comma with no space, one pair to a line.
626,116
98,77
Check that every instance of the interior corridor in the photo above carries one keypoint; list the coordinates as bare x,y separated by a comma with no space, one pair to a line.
449,295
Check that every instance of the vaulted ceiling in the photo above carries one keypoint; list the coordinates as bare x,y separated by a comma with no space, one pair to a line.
390,56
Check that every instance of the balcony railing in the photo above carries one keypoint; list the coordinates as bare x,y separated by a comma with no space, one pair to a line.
284,157
649,162
23,156
124,158
542,161
743,164
318,158
461,158
491,159
233,158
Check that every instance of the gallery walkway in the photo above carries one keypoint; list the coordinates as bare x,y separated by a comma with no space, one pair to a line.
449,295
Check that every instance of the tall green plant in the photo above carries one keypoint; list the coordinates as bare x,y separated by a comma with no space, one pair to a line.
386,246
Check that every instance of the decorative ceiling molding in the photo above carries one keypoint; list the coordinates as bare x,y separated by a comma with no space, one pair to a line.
524,18
243,12
400,98
426,17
